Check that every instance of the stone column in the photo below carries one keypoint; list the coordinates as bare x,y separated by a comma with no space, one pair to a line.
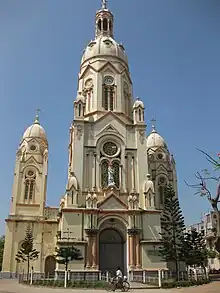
89,253
87,171
131,254
126,172
94,171
138,259
131,248
94,252
133,174
92,248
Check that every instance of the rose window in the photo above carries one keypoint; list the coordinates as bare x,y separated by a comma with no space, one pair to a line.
110,148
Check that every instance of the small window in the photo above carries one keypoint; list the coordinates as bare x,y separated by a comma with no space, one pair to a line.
99,24
161,194
139,112
105,24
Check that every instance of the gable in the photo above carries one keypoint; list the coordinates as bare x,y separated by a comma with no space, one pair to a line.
88,71
161,169
112,202
109,129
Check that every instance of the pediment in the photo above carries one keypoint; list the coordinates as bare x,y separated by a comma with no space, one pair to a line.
112,202
109,67
115,117
109,129
88,71
161,169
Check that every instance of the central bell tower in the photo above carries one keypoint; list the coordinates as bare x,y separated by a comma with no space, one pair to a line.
104,79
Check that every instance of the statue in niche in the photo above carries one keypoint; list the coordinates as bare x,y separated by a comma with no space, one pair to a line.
110,175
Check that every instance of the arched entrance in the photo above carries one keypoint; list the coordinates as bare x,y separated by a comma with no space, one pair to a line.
111,250
50,266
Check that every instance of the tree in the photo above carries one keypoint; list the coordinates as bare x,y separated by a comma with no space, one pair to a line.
66,254
195,251
2,243
172,226
203,190
27,252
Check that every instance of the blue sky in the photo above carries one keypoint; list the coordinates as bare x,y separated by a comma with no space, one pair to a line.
173,49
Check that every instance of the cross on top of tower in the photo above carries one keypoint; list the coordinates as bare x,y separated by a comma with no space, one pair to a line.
37,115
104,4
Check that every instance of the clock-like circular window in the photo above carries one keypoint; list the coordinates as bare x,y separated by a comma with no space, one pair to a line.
30,173
160,156
108,80
110,148
33,147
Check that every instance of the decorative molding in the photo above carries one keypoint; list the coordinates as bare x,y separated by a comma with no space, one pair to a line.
79,131
142,136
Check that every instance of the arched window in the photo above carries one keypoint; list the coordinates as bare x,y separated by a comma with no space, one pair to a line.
100,24
26,189
111,99
80,109
105,177
29,188
105,24
108,98
104,174
139,112
161,189
161,194
115,167
105,98
31,191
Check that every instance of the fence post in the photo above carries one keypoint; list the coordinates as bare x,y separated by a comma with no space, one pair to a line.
107,276
132,276
31,280
159,279
100,275
195,275
162,274
65,279
144,276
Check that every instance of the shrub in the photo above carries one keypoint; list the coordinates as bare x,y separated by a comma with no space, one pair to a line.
175,284
70,284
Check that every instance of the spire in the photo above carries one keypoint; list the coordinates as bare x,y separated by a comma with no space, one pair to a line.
153,121
36,121
104,4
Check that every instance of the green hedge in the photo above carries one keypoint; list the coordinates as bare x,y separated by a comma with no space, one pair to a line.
175,284
70,284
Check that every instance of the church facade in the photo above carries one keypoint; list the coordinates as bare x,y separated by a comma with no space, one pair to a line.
114,194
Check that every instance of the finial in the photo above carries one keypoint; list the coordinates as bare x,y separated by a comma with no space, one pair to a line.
37,116
104,4
153,121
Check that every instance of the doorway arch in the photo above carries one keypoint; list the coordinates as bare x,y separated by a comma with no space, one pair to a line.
111,250
50,266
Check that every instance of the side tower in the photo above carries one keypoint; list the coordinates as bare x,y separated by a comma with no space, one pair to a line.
162,166
28,196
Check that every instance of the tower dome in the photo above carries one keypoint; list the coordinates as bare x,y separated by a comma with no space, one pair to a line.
138,103
154,140
35,130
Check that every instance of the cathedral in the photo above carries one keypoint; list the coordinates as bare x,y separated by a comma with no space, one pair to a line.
113,199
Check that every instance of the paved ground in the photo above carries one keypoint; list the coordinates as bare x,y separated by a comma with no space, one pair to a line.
11,286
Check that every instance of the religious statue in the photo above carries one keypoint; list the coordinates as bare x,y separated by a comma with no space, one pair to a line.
110,175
